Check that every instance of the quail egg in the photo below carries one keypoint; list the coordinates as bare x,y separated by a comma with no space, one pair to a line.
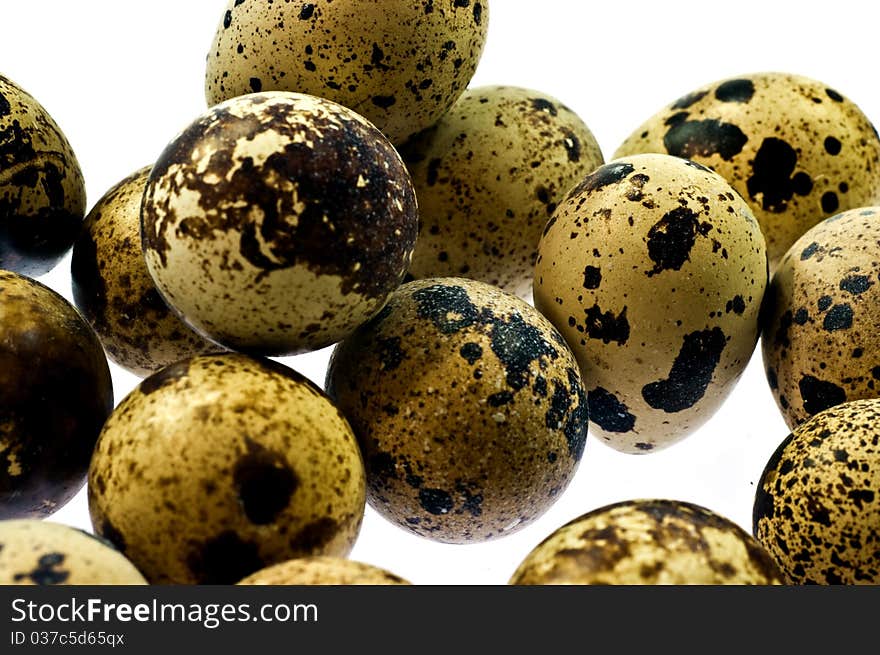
218,466
653,269
277,223
34,552
468,407
488,176
817,507
55,394
649,542
42,191
399,63
796,149
820,338
115,293
323,571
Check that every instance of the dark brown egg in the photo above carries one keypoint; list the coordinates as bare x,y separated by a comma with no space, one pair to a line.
55,394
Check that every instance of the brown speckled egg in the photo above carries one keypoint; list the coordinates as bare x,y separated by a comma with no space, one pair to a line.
219,466
323,571
488,177
821,332
653,269
649,542
42,191
55,394
277,223
34,552
468,407
400,63
797,150
817,507
115,293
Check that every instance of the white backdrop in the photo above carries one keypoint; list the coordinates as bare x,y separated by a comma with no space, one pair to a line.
122,78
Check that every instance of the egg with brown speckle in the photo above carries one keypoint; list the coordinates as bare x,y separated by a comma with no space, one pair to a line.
820,338
817,506
654,270
115,293
323,571
42,191
277,223
400,63
468,407
649,542
34,552
797,150
55,394
219,466
488,176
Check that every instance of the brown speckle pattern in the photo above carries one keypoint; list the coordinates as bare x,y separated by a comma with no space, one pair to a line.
34,552
649,542
55,394
42,191
276,223
653,269
817,506
323,571
115,293
468,407
795,149
229,465
399,63
488,176
820,339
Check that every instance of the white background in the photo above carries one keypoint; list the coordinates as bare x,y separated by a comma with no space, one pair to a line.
122,78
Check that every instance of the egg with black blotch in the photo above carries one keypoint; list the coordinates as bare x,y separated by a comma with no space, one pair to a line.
649,542
42,190
56,391
488,176
323,571
468,407
221,465
820,338
795,148
654,270
115,293
399,63
276,223
817,504
38,552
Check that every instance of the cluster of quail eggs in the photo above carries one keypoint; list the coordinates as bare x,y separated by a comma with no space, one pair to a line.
495,291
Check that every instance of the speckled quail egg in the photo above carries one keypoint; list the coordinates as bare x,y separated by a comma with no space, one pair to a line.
649,542
42,191
400,63
55,394
468,407
323,571
218,466
34,552
653,269
277,223
817,507
820,338
797,150
115,293
488,176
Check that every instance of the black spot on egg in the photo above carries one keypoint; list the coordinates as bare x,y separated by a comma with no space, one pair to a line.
772,178
735,91
609,413
839,317
737,305
603,176
830,202
671,239
704,138
606,326
315,536
592,277
819,395
436,501
832,145
471,352
264,483
809,251
224,559
47,571
165,377
690,99
856,284
824,303
691,372
390,353
517,344
307,11
834,95
448,307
